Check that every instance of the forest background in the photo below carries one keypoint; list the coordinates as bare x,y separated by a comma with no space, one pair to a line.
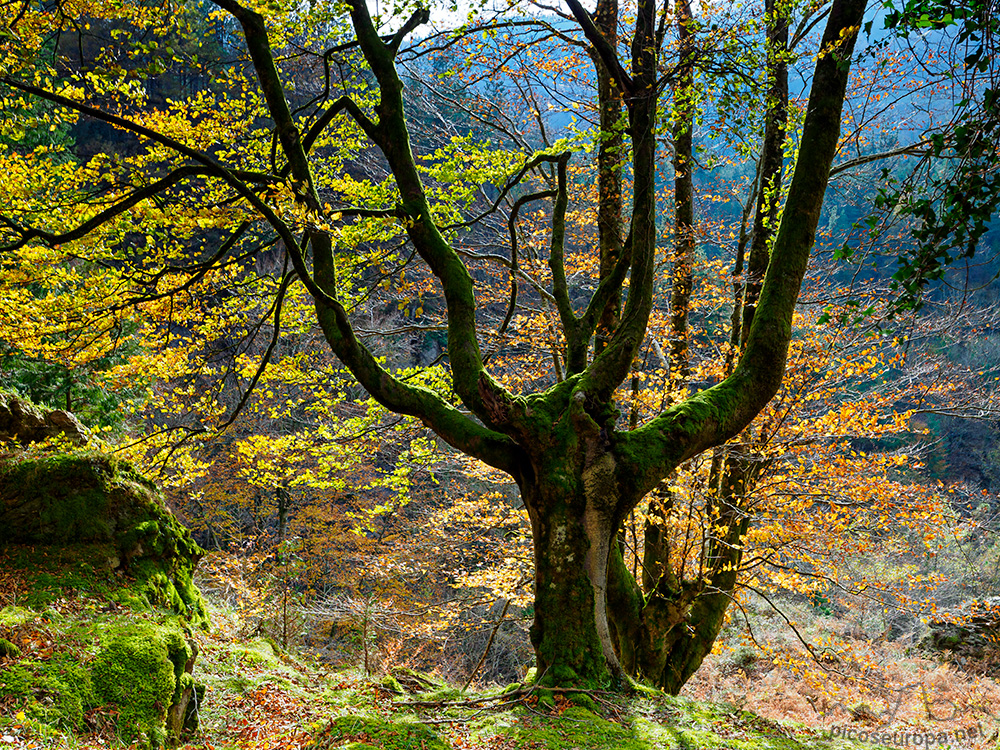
137,294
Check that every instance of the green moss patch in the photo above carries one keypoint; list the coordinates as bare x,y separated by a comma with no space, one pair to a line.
141,670
86,663
81,496
574,728
359,732
56,693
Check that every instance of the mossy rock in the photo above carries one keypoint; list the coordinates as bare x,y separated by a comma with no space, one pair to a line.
92,499
25,423
358,732
971,630
143,669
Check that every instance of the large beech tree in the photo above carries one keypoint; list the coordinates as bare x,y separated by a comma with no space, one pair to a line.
580,468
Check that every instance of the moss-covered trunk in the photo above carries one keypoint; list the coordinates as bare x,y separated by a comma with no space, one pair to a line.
572,494
566,631
665,628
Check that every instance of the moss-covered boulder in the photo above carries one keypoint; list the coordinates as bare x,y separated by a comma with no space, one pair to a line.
970,631
145,670
103,571
89,499
82,670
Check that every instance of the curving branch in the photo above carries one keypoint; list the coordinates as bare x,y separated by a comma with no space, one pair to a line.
285,131
457,429
920,148
483,395
576,346
279,300
605,51
514,269
418,18
343,104
103,217
512,182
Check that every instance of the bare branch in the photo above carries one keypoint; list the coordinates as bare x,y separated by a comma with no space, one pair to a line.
914,149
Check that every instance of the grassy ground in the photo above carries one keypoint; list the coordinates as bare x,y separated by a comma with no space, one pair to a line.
259,697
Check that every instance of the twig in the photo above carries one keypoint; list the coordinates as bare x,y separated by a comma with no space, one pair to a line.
489,644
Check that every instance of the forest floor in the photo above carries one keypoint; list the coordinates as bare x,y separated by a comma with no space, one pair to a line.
751,697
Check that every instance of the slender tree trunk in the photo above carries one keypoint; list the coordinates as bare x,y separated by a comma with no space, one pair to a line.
610,157
283,498
771,160
684,232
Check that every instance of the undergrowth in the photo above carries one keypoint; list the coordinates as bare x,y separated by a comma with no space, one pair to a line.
253,695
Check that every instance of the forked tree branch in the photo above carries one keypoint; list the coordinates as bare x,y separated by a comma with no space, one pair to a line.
483,395
514,270
606,52
418,18
716,414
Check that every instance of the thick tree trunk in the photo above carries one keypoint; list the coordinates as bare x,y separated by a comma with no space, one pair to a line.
573,504
570,631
